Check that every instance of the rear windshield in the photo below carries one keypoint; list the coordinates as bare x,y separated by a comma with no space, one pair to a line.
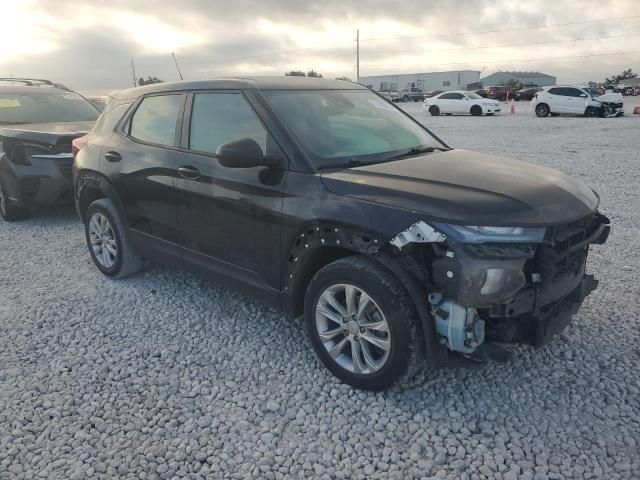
39,107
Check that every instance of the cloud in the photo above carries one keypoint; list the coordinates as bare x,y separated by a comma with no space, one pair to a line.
89,46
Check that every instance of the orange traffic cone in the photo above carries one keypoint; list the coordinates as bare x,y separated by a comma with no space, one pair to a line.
513,107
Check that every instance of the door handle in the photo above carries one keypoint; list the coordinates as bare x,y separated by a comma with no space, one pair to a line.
112,156
189,172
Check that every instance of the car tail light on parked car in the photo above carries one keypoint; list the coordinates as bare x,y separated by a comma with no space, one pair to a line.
77,144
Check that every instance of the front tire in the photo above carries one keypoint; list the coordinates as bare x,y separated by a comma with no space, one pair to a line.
476,110
8,211
591,112
362,324
434,110
107,240
542,110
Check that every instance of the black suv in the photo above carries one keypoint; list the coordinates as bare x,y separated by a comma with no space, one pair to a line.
38,121
324,199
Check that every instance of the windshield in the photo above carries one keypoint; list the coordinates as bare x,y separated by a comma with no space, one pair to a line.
472,95
45,107
594,92
349,125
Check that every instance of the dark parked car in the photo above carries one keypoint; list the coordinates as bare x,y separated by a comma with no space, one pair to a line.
526,93
482,92
324,199
38,122
499,93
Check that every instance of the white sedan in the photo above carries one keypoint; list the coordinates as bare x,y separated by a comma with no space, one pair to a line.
460,102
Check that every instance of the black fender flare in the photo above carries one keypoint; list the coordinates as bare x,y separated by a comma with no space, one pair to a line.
310,242
96,180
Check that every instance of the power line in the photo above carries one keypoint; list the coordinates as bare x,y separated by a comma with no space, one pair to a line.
504,61
551,42
345,46
517,29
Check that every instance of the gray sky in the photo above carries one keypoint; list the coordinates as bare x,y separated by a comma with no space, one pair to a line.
88,45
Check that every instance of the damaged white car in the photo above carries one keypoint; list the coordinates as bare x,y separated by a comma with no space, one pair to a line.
577,100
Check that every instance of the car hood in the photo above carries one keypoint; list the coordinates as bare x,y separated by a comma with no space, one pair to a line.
470,188
45,133
610,98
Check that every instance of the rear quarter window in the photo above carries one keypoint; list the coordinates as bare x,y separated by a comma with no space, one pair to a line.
155,119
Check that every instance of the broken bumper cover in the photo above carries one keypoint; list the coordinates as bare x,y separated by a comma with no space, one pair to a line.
46,181
559,315
525,293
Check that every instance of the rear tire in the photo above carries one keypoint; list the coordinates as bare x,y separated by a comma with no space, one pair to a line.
8,211
107,240
395,351
434,110
542,110
476,110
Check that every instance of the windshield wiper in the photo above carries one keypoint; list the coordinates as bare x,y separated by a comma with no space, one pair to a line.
352,162
415,151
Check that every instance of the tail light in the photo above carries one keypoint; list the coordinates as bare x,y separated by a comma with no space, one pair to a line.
77,144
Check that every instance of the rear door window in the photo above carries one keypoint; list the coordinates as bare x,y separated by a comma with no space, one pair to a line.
218,118
556,91
155,119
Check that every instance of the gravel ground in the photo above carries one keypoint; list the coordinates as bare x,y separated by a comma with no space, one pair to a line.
167,376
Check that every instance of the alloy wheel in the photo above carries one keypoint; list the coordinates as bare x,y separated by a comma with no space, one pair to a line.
542,110
103,240
353,329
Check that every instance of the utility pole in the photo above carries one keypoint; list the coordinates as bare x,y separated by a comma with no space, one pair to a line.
358,56
133,72
177,67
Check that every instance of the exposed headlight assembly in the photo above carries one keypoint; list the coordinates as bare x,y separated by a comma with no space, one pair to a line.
486,234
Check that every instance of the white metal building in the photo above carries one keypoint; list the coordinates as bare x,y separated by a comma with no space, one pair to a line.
456,80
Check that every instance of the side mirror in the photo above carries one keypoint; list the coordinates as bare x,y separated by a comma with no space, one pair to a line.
245,153
583,95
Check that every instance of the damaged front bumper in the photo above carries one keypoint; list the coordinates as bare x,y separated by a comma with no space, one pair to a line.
525,293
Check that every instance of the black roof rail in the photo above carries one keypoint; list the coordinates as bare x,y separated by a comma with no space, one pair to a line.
34,82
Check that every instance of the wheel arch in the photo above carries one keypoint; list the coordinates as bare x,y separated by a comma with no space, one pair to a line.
316,246
321,244
90,186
